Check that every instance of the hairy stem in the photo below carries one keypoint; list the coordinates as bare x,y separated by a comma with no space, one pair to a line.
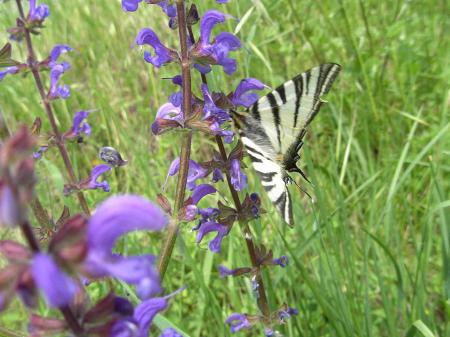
69,316
48,109
169,243
262,298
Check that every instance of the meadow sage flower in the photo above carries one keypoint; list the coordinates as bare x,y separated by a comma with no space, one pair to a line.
212,226
196,171
8,71
113,218
92,182
39,13
238,177
237,322
56,90
56,52
241,95
79,125
282,261
163,55
168,117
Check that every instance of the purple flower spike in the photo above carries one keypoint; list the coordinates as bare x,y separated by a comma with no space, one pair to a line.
116,217
97,171
38,13
130,5
200,191
241,95
162,56
56,53
282,261
238,178
8,71
56,90
286,314
211,226
237,322
58,288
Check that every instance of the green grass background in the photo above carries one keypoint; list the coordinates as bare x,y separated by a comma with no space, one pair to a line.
370,255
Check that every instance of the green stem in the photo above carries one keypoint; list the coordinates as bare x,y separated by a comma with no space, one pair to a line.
169,243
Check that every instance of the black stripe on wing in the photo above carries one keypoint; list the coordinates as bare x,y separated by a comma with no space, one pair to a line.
276,114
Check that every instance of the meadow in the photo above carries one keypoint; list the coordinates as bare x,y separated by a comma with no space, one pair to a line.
370,253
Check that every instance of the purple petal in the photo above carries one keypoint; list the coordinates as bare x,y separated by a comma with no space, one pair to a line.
282,261
97,171
57,51
130,5
238,178
174,167
122,214
8,71
162,54
146,312
10,210
38,13
170,332
58,288
170,111
211,226
200,191
241,95
209,20
237,322
217,175
56,90
222,1
203,68
78,126
124,328
224,271
170,10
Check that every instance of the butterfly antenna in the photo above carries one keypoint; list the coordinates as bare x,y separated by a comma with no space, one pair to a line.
304,191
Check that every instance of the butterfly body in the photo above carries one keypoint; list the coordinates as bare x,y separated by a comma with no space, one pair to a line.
272,130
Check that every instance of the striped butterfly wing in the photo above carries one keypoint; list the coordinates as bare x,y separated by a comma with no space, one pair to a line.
273,129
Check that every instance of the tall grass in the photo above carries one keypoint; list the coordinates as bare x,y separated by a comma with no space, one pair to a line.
371,252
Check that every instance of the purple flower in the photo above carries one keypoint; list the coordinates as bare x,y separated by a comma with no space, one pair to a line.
97,171
223,44
79,125
38,13
40,152
130,5
162,56
200,191
282,261
56,90
268,332
146,312
170,10
217,175
238,178
224,271
237,322
195,172
114,218
167,117
8,71
241,95
170,332
212,226
219,49
10,210
222,1
286,314
177,97
56,53
59,289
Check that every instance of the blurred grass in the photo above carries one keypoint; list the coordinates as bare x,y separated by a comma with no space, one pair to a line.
371,255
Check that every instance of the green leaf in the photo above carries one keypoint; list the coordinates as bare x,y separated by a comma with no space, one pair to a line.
5,56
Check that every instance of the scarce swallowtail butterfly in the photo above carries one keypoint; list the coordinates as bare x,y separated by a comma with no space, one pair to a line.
272,130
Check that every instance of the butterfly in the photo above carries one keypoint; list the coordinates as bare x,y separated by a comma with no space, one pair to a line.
272,130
